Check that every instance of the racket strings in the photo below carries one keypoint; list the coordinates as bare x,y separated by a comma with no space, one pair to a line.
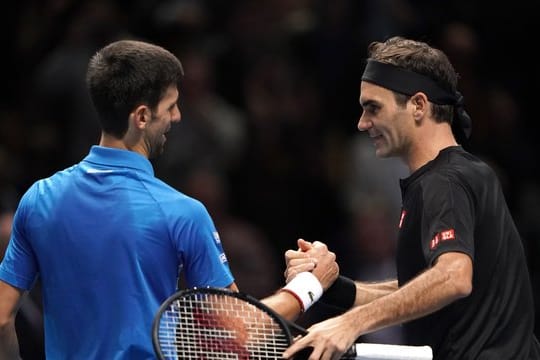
214,326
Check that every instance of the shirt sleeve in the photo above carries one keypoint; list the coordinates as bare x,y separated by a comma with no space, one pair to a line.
448,217
199,246
19,266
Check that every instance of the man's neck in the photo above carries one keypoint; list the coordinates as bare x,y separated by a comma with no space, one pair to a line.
108,140
428,145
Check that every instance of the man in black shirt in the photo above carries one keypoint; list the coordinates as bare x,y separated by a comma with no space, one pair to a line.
462,284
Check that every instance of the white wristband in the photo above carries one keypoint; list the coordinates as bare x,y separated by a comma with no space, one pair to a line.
306,288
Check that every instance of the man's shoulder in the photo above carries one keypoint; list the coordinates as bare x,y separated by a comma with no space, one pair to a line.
460,168
459,162
53,181
169,196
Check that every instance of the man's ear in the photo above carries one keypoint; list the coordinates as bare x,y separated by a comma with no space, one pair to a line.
140,117
420,105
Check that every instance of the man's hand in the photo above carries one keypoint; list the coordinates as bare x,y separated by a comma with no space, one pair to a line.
330,339
314,257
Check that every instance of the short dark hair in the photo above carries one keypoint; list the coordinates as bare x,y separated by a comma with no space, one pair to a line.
128,73
420,58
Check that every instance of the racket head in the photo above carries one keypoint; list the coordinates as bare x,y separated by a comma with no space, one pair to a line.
216,323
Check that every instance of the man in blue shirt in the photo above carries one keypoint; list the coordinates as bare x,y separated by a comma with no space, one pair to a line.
107,239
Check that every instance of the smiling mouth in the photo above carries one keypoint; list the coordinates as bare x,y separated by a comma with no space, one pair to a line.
376,139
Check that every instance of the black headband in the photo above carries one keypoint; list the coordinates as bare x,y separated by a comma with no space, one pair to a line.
409,83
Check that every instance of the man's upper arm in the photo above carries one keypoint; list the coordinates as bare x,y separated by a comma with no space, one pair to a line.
448,220
460,268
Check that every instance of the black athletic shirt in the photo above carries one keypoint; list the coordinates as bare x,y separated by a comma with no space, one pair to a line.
455,203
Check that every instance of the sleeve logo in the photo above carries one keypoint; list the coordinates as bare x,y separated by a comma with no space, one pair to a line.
440,237
216,237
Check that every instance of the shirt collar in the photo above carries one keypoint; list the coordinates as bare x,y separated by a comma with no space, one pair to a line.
119,158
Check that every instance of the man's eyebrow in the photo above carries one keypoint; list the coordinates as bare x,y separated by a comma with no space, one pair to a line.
367,103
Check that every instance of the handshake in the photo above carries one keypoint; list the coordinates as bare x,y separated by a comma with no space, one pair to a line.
312,274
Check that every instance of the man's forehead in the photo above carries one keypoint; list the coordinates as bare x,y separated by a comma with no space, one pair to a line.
172,91
370,91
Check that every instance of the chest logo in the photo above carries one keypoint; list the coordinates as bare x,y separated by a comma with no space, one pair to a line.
402,217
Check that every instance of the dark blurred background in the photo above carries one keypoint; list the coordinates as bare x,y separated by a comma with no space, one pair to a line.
268,139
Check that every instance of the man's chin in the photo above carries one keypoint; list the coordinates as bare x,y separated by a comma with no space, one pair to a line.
157,152
382,153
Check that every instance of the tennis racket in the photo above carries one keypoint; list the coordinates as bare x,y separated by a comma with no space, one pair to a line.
214,323
218,324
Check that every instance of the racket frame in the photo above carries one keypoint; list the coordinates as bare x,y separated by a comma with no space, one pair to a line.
283,324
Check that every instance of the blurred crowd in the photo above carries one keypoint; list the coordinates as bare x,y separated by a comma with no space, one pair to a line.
268,139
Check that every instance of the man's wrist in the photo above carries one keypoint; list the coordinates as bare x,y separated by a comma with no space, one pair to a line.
341,294
306,288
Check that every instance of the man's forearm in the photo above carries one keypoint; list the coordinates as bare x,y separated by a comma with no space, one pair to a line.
284,304
449,280
367,292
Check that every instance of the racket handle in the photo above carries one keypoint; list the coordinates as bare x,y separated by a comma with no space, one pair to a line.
350,354
304,354
389,351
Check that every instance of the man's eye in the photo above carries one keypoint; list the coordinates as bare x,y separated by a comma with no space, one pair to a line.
371,109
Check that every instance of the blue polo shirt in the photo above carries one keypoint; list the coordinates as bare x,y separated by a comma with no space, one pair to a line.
108,241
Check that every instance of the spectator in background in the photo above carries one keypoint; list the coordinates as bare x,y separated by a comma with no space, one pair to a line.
252,258
212,133
62,108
